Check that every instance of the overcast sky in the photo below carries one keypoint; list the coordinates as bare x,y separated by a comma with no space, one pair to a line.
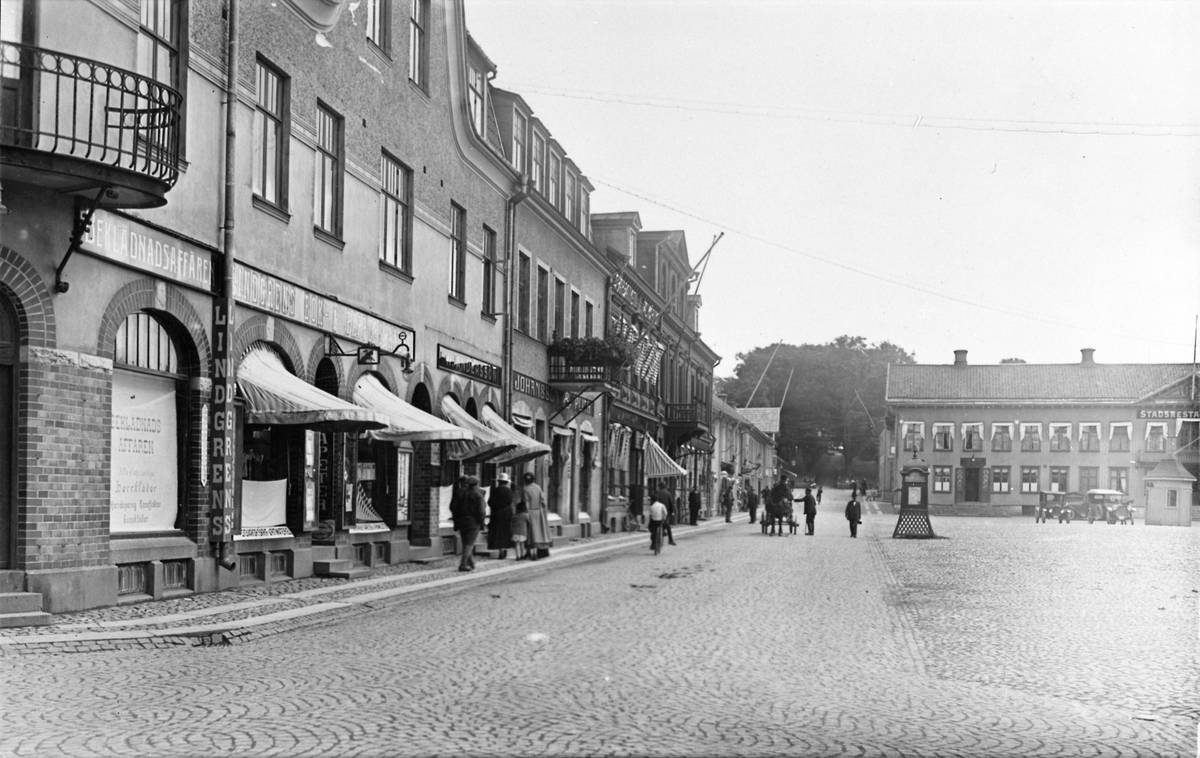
902,171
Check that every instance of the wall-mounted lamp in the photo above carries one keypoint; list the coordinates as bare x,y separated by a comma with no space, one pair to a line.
370,353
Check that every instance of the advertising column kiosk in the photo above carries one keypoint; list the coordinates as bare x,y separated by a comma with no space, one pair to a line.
914,503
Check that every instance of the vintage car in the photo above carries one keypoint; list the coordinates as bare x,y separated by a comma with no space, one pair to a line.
1111,505
1063,506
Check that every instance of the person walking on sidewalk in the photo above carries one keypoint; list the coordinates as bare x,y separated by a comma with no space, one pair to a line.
539,525
820,491
500,508
752,502
658,517
810,512
468,521
854,515
727,500
694,505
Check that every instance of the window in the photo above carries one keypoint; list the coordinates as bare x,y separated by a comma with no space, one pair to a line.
1029,479
1031,438
1060,438
1118,438
537,178
418,44
943,437
327,180
1156,438
523,272
585,218
518,142
1118,479
588,319
489,271
914,437
972,438
574,330
560,308
569,197
272,130
163,23
1172,498
543,304
458,252
941,478
404,478
1059,478
396,220
1089,438
552,180
1001,438
379,25
1000,483
1089,478
476,94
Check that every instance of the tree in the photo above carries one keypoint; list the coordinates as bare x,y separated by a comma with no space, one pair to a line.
1013,360
835,397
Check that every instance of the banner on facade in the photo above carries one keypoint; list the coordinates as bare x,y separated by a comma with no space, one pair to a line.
144,493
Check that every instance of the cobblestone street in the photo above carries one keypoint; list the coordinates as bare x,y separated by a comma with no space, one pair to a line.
1007,638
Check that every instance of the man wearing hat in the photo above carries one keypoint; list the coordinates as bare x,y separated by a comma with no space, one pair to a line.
500,510
468,521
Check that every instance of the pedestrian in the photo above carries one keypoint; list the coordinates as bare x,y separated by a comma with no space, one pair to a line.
468,520
658,517
727,500
663,495
810,512
500,508
694,505
854,489
752,501
520,530
863,488
854,515
820,491
539,525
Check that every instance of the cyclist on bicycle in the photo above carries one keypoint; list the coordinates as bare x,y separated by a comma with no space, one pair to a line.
658,516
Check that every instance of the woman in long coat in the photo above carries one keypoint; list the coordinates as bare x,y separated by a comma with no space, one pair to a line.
539,525
500,510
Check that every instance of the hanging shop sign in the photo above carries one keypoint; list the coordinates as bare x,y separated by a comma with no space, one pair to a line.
452,360
134,244
284,299
144,489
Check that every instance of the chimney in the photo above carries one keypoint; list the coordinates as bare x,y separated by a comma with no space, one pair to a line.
960,357
1088,360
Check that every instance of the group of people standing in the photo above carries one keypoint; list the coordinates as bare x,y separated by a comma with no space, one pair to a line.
523,528
778,506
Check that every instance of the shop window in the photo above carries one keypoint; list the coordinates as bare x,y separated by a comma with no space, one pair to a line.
148,426
941,478
1029,479
1000,482
1059,478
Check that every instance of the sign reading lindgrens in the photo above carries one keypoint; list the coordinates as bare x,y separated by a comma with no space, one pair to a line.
144,493
139,246
452,360
286,300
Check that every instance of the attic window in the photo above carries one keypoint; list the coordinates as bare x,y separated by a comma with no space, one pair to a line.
476,91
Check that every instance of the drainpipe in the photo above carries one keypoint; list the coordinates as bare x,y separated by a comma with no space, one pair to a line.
510,279
223,321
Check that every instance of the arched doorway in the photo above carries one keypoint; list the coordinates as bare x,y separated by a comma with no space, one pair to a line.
8,457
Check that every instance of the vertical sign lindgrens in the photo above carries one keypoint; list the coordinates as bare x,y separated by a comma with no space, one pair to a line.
221,514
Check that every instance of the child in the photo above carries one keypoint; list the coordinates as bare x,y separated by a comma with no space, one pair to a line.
520,529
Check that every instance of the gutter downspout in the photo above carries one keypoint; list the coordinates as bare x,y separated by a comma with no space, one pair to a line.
510,280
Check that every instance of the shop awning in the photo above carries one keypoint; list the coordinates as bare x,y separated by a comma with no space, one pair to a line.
487,443
274,395
406,423
658,463
527,448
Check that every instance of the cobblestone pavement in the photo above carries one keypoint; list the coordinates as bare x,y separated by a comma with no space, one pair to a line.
1008,638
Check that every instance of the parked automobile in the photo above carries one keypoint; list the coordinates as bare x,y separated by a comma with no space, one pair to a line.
1112,505
1063,506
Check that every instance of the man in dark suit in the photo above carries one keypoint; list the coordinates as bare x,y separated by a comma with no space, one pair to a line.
810,512
694,505
752,502
468,521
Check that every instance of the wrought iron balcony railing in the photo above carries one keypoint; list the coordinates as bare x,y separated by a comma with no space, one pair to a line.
566,370
70,106
688,413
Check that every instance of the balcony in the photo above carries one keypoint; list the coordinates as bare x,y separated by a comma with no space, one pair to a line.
687,420
571,375
78,126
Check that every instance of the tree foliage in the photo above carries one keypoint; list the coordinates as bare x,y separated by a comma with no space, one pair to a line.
834,394
1013,360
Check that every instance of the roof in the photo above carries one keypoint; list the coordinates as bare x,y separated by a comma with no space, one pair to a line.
1032,383
766,419
1170,468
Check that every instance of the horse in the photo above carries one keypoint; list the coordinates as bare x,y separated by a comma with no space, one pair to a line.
779,509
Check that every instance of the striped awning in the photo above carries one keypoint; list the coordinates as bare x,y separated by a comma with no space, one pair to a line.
406,423
487,443
658,463
275,395
527,448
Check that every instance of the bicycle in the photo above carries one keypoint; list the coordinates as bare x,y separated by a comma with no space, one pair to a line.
656,535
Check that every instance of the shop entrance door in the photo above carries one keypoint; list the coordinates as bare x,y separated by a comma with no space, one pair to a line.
971,480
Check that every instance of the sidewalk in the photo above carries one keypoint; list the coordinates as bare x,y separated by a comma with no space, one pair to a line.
261,610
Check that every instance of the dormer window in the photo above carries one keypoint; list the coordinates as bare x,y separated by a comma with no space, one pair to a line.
518,142
476,90
552,180
569,197
537,178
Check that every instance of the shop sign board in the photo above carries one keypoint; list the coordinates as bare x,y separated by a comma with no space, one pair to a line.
281,298
459,363
144,489
137,245
1157,413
